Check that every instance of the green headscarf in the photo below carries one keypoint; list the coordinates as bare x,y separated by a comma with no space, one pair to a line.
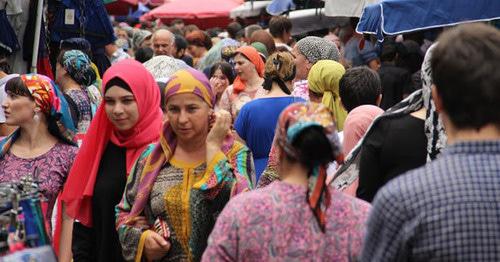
324,78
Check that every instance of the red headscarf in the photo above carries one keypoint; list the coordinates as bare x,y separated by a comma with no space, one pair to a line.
251,54
79,188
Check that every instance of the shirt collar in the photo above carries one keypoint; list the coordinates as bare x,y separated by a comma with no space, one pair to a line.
474,147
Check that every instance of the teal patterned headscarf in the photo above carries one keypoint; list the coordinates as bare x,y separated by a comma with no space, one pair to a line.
79,67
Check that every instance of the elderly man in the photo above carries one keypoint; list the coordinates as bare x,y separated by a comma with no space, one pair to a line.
307,52
163,42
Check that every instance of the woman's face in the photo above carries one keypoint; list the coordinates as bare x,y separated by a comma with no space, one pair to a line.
244,68
219,82
18,109
60,72
188,115
121,108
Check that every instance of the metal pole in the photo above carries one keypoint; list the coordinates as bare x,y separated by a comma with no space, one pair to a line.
36,42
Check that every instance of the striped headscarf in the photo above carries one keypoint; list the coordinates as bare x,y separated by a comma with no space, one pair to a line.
292,121
186,81
52,104
324,78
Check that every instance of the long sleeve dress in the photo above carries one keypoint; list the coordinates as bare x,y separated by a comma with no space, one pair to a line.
180,198
275,223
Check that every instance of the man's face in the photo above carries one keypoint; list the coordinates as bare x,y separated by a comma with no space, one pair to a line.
163,45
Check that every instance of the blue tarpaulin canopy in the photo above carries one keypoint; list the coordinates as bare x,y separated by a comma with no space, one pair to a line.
277,7
393,17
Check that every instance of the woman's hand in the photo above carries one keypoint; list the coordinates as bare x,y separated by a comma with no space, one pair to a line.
220,129
155,246
219,85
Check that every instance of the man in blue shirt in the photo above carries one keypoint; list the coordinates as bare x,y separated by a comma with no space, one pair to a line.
449,210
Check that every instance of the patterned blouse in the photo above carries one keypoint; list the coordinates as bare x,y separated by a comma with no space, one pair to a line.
52,168
189,212
301,89
82,103
276,224
234,102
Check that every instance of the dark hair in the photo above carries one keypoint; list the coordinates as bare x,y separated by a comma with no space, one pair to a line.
60,57
5,66
313,148
116,81
233,28
213,32
76,43
180,42
264,37
466,74
162,86
16,86
249,30
174,30
143,54
240,34
226,69
389,51
177,21
199,38
278,25
410,56
359,86
190,28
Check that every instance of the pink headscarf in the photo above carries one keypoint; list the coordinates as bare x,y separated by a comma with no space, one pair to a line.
356,124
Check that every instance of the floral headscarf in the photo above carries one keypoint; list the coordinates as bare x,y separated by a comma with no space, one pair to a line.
293,120
51,102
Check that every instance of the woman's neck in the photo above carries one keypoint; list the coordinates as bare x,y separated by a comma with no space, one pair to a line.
276,91
35,135
254,82
293,173
69,84
192,151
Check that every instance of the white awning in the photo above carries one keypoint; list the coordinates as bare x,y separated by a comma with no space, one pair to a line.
349,8
249,9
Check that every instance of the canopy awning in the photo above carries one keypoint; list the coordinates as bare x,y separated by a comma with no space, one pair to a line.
349,8
249,9
393,17
205,14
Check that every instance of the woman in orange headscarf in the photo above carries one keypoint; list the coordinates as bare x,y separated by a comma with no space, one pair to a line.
248,83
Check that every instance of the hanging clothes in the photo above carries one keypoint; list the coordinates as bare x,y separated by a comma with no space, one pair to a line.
83,18
18,17
8,38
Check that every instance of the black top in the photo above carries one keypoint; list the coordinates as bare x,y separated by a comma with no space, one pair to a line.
395,81
100,243
395,145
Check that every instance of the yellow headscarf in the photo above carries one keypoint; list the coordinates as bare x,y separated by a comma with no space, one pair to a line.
324,78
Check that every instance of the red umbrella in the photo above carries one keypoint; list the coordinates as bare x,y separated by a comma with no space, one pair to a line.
205,14
121,7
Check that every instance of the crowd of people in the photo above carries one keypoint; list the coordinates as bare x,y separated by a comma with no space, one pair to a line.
245,145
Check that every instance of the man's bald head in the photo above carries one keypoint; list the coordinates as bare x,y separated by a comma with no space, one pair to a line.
163,42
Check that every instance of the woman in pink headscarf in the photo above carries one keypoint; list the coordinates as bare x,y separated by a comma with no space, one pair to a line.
355,126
